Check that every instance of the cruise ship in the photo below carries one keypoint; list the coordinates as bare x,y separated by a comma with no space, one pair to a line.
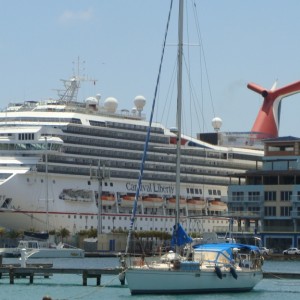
58,156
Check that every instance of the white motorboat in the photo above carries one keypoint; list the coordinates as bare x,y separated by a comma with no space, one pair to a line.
37,249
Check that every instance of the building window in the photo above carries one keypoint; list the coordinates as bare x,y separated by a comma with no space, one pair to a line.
270,196
237,196
270,211
253,196
285,195
285,211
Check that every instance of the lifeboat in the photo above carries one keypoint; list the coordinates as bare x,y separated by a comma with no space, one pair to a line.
171,202
127,200
196,203
217,205
108,198
152,201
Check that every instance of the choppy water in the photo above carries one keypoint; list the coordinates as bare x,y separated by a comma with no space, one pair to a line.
65,287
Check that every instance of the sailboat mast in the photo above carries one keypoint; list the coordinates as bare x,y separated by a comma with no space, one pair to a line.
47,184
179,107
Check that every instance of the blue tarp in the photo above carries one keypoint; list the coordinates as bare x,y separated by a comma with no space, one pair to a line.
180,237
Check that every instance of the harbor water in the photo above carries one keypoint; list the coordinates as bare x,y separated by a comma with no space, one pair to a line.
65,287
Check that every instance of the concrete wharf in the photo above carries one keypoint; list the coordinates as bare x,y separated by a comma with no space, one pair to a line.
39,270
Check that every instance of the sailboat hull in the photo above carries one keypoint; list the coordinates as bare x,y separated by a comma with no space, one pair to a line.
147,281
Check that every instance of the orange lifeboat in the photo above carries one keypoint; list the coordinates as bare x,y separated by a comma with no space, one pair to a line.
171,202
108,198
196,203
152,201
127,200
217,205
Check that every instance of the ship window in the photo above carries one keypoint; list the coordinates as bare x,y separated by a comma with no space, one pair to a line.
111,184
209,192
69,217
74,216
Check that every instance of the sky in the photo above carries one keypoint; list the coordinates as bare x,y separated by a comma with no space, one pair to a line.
119,44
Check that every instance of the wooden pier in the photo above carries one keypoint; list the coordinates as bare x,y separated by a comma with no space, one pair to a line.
31,271
47,270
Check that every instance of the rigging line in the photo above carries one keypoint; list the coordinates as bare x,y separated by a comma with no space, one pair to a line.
132,218
204,59
193,94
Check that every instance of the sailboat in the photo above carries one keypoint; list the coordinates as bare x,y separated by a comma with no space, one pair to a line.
204,268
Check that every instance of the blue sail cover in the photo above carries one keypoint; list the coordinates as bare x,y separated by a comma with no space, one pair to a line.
225,247
180,237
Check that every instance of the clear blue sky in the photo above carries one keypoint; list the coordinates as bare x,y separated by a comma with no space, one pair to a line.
121,40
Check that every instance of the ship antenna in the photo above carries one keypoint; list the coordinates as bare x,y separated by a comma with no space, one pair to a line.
72,85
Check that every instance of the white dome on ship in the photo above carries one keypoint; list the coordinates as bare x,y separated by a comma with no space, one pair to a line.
139,102
111,104
216,123
134,110
92,101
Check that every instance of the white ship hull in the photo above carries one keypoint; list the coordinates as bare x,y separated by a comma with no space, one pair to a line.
75,214
145,281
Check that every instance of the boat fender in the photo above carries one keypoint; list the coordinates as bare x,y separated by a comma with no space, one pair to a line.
122,278
233,272
218,272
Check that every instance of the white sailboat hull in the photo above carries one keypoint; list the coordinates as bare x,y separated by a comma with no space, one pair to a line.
147,281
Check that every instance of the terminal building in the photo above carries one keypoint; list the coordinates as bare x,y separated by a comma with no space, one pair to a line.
269,198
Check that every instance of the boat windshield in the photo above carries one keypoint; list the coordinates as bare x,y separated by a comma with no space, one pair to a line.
212,256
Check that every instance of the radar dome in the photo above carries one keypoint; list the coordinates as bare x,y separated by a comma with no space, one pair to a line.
139,102
91,101
111,104
134,110
216,123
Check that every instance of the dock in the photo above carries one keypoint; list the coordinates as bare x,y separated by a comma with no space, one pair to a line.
47,270
14,272
280,275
